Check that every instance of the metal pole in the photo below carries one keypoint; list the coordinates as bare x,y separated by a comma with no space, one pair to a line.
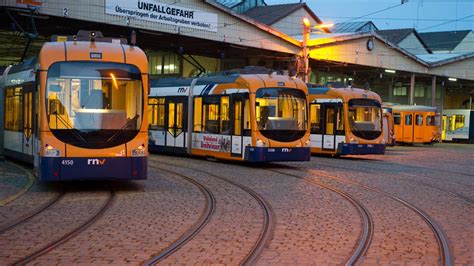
470,102
306,31
433,91
412,89
190,130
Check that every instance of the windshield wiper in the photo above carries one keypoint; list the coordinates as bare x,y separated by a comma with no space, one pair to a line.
72,130
120,131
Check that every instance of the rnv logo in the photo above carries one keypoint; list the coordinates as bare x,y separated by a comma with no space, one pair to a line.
95,162
285,150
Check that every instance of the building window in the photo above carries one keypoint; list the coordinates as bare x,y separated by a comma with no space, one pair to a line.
162,63
400,91
419,91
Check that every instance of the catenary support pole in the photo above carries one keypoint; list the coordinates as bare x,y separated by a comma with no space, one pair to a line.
412,89
433,91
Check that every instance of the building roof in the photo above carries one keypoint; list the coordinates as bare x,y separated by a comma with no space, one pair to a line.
356,26
395,36
443,40
271,14
229,3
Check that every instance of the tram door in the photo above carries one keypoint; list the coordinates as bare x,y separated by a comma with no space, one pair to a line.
237,107
408,127
328,113
28,139
176,122
419,128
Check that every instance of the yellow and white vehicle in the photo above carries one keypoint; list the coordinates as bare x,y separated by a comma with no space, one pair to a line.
345,121
246,117
78,111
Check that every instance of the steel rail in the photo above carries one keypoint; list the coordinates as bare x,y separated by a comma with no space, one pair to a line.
54,244
366,235
268,227
204,219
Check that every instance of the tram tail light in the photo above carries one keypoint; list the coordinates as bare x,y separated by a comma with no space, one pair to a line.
50,151
139,151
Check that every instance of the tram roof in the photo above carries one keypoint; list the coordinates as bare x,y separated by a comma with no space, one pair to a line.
422,108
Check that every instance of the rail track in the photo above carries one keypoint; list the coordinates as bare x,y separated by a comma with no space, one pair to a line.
71,234
452,193
196,228
367,232
441,239
268,227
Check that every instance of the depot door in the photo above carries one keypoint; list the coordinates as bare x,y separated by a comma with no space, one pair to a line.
408,127
176,121
328,114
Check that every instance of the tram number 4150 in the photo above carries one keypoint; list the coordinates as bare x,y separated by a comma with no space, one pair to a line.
67,162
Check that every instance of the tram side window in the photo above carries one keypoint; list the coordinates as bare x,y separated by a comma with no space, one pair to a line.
13,108
237,118
315,118
430,120
247,125
419,120
340,119
156,113
197,114
211,117
225,115
408,119
396,119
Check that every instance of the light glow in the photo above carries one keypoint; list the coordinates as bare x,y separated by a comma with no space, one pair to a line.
324,25
390,71
452,79
306,22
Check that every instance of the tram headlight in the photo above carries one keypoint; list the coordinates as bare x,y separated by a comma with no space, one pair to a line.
353,141
307,143
139,151
50,151
261,143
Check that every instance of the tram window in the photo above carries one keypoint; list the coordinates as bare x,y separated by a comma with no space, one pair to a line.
179,117
13,110
396,119
156,113
237,118
197,114
408,119
458,121
329,121
224,115
315,118
340,119
211,117
419,120
430,120
247,125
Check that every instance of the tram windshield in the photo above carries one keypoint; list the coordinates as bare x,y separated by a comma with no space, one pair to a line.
365,118
281,113
94,104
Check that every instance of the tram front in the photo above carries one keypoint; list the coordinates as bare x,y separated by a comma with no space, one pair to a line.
94,120
281,123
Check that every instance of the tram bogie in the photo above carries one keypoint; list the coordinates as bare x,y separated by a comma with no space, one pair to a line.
245,117
77,113
345,121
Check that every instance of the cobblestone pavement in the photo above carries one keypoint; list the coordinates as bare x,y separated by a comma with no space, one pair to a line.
313,225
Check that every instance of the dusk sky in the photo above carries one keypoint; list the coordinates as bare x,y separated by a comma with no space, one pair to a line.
433,15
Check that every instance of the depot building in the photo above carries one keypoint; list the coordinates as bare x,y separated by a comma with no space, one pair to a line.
192,37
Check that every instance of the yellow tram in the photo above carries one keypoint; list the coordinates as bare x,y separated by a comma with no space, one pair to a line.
78,112
345,121
245,117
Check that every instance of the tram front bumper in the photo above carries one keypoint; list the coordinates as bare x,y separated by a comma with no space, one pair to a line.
360,149
73,168
266,154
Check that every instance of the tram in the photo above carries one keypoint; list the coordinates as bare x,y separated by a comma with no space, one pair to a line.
345,121
416,124
458,125
77,112
387,122
243,117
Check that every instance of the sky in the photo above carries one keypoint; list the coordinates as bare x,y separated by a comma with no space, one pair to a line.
423,15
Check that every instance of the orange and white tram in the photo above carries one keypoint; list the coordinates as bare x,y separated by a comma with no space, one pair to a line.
246,117
78,112
345,121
